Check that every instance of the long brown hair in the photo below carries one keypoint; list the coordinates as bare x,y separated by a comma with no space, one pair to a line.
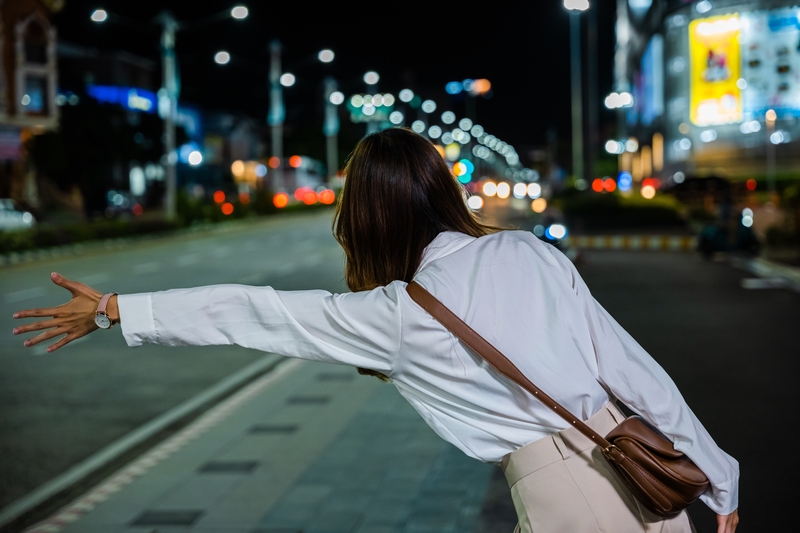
398,196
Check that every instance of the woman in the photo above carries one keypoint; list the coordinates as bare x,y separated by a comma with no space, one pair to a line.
402,216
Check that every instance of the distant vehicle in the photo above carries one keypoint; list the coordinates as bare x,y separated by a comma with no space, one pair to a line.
12,218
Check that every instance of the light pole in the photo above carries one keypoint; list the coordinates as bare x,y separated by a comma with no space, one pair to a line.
575,8
277,112
333,98
770,118
168,94
371,79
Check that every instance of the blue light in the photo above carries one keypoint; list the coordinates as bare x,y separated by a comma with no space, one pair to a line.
131,98
465,178
468,165
454,87
185,150
624,181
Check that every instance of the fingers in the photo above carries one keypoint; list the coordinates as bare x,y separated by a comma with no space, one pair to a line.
66,340
45,336
61,281
33,313
36,326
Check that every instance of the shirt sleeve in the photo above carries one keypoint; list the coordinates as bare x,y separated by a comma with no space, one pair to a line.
359,329
634,377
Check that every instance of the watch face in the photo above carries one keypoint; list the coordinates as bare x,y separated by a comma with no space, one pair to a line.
102,321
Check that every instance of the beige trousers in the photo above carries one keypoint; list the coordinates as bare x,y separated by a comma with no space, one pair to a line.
563,484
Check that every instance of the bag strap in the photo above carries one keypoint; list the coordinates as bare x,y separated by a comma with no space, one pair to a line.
494,357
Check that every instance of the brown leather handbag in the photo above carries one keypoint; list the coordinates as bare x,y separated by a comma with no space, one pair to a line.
663,479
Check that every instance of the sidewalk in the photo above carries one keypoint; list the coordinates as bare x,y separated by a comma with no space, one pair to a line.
309,447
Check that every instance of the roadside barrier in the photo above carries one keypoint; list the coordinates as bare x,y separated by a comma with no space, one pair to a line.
670,243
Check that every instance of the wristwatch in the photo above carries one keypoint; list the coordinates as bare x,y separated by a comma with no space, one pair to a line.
101,317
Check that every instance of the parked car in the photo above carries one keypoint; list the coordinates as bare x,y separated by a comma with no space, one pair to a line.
11,217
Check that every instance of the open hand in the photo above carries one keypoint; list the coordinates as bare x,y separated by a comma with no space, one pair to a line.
73,319
727,523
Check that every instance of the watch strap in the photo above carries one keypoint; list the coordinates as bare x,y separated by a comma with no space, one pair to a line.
103,304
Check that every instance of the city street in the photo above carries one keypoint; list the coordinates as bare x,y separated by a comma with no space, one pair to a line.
731,351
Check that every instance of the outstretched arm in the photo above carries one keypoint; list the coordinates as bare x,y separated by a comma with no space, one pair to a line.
361,329
69,321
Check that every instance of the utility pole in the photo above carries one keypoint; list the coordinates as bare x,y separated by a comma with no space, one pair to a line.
169,109
277,112
331,130
577,99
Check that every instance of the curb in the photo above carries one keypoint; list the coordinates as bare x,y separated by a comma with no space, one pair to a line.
668,243
260,368
778,275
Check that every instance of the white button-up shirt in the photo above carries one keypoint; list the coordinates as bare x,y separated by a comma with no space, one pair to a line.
522,295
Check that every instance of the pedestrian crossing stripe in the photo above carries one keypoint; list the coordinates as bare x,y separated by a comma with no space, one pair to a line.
671,243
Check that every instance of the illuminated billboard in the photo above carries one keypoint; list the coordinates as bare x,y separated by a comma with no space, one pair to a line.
714,54
771,62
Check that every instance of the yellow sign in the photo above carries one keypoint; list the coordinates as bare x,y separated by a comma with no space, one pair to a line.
715,70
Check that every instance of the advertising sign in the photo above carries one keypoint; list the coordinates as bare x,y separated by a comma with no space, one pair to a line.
715,70
771,62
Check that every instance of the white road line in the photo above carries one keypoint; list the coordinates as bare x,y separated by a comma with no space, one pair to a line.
146,268
94,279
25,294
188,259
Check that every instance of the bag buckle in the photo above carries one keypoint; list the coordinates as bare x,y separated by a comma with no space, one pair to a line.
608,452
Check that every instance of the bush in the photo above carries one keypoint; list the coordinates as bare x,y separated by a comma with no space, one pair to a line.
615,210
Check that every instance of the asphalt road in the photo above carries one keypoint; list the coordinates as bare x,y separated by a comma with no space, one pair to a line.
733,352
57,409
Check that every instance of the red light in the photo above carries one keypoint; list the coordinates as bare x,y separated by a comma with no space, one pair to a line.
751,184
327,197
597,185
310,198
137,209
300,193
280,200
219,197
295,161
609,185
244,198
227,208
274,162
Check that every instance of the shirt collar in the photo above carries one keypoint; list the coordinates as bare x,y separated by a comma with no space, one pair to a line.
443,245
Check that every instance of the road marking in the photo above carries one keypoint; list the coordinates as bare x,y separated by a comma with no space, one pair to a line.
25,294
764,283
94,279
146,268
102,492
221,252
188,259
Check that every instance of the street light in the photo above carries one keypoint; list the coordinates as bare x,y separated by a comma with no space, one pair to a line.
222,58
326,56
770,119
168,94
575,8
371,77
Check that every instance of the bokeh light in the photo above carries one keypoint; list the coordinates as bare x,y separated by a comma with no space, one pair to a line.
327,196
239,12
336,97
429,106
222,58
448,117
274,161
237,168
396,117
520,190
99,15
227,208
326,56
475,202
534,190
418,126
195,158
648,192
288,79
434,132
490,188
751,184
219,197
295,161
503,190
539,205
280,200
371,77
406,95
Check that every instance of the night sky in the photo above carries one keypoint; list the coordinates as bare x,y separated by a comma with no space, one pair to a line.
522,47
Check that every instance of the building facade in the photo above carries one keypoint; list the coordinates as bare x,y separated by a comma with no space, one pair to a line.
715,85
